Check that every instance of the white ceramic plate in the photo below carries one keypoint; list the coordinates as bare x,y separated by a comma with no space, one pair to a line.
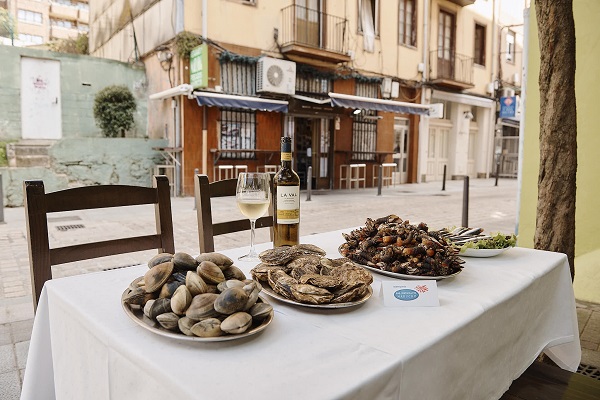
137,315
268,291
482,252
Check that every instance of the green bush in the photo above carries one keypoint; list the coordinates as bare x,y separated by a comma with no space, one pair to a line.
113,110
185,42
3,159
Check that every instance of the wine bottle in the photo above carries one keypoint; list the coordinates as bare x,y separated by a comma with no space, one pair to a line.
286,200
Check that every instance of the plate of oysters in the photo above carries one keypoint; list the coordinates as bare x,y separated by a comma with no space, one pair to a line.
303,276
395,248
204,299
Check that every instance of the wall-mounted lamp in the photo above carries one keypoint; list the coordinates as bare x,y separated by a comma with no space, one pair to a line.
357,111
468,115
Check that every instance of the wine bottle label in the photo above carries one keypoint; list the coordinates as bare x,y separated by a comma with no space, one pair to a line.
286,156
288,204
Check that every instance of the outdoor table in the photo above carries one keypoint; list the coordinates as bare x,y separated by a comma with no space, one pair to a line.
494,319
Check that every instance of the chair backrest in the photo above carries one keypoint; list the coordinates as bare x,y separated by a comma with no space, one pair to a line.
206,190
39,204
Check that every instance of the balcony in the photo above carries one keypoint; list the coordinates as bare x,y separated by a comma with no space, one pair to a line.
58,32
462,3
451,70
313,34
61,11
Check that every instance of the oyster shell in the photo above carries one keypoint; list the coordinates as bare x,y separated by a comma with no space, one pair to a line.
310,294
322,281
280,282
277,256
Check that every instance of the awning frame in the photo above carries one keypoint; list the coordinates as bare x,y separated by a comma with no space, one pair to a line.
234,101
368,103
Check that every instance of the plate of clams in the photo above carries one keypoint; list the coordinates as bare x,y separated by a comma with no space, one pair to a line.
398,249
303,276
204,299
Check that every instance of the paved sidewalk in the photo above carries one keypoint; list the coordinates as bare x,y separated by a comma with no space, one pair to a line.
493,208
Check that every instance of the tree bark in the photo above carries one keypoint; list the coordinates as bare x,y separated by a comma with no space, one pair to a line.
555,222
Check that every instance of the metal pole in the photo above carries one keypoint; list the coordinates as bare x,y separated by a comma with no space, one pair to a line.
379,176
1,202
195,173
465,210
444,180
308,183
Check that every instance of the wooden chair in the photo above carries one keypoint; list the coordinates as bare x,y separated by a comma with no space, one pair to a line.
38,204
207,230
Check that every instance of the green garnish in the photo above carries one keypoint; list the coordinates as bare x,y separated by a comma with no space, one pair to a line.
497,241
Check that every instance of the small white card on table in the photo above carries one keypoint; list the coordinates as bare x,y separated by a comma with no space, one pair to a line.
398,293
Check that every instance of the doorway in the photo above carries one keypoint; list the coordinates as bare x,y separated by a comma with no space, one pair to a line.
40,99
313,149
401,134
446,41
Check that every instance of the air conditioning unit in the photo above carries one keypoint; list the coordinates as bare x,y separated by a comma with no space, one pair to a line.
275,76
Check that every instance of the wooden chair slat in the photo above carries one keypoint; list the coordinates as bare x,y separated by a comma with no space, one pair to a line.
90,197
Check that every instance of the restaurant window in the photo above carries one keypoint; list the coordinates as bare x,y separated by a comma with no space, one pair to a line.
237,132
479,51
364,127
510,46
238,77
407,23
368,22
29,17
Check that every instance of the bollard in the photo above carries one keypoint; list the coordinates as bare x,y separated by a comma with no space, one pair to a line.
379,183
308,183
444,179
1,202
465,210
196,172
497,171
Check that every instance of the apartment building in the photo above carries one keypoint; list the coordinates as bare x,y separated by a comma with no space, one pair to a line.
411,82
41,21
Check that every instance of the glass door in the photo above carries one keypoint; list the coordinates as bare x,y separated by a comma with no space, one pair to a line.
308,26
401,127
445,45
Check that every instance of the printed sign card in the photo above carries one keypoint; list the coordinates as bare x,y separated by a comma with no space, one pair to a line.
398,293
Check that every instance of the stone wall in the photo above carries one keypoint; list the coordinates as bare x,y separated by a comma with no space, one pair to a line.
88,161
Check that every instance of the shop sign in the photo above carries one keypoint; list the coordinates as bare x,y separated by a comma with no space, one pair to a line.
508,107
199,66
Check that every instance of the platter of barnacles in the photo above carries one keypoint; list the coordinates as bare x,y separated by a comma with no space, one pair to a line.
206,298
302,275
396,248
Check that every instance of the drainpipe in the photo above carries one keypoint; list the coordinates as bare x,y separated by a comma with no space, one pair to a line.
423,121
204,113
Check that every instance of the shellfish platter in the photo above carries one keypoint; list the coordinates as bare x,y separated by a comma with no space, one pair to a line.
205,298
395,248
302,275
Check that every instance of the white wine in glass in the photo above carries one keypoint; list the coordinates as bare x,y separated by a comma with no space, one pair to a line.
253,199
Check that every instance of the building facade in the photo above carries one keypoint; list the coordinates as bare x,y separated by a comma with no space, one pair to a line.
352,82
42,21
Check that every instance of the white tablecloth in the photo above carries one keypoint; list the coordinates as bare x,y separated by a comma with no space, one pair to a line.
494,318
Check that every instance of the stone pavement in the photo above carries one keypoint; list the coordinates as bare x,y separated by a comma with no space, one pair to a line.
493,208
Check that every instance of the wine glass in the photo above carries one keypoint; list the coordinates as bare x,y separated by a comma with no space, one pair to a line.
253,196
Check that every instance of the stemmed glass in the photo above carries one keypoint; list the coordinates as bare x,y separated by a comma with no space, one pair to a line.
252,195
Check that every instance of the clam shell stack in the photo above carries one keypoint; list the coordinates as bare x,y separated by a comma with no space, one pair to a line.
206,296
301,273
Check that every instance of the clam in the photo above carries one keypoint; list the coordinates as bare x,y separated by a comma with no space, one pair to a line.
202,307
184,261
233,272
156,276
137,282
148,307
229,284
160,306
210,272
231,300
185,325
180,300
260,311
168,321
237,323
252,290
169,288
216,258
137,296
210,327
195,284
159,259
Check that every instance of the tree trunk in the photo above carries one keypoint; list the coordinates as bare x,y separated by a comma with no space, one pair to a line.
555,222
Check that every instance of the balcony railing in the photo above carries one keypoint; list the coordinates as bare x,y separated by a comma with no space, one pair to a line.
451,69
304,28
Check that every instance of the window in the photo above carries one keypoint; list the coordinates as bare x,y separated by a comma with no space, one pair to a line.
364,127
30,39
310,85
62,23
510,46
479,51
238,132
368,22
29,16
83,27
238,77
407,23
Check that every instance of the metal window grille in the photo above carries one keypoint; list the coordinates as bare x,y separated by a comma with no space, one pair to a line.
306,84
238,132
364,129
238,77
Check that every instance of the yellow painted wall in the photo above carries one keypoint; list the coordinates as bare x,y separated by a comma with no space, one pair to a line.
587,81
